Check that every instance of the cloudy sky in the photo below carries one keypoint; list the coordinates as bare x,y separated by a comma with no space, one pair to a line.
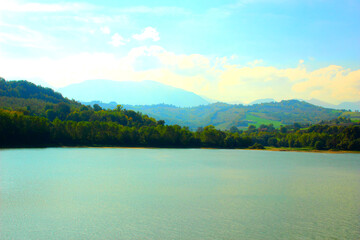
228,50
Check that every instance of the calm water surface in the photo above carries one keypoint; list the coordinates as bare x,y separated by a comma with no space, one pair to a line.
90,193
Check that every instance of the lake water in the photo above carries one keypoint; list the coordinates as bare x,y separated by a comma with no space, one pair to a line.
119,193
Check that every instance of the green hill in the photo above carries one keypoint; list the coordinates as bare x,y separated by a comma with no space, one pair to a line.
224,116
29,98
28,90
33,116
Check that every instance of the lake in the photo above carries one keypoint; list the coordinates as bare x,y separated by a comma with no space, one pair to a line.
122,193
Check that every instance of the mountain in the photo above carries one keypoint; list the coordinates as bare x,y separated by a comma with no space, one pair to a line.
129,92
224,116
320,103
353,106
209,100
265,100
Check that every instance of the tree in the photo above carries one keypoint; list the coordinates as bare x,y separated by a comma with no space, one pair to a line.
62,110
97,107
119,108
160,122
257,146
297,126
272,141
234,129
251,128
283,129
319,145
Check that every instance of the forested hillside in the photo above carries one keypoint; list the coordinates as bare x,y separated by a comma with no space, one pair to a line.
31,117
28,90
223,116
26,97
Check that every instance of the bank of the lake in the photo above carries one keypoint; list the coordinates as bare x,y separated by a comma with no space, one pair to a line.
281,149
276,149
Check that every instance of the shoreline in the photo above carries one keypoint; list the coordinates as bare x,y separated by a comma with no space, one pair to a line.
272,149
307,150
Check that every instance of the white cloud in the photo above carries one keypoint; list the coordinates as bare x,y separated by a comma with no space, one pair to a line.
105,30
18,35
117,40
148,33
15,6
214,78
155,10
255,62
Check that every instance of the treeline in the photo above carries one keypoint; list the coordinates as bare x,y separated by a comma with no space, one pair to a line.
33,116
117,128
345,136
28,90
19,130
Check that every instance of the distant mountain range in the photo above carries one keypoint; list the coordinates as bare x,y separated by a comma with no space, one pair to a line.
151,92
132,93
265,100
353,106
31,99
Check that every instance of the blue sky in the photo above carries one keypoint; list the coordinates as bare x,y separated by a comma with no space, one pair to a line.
227,50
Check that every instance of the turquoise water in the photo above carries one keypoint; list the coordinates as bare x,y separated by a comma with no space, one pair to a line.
119,193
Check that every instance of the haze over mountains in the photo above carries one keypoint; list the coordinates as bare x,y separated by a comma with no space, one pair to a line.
353,106
151,92
132,93
28,97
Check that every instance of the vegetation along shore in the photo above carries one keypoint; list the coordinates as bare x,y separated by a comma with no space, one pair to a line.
33,116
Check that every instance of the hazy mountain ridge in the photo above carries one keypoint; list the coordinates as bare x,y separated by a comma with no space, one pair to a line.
132,93
26,96
353,106
264,100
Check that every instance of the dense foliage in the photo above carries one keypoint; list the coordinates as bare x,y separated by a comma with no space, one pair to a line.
28,90
223,116
337,135
108,128
29,98
43,118
116,128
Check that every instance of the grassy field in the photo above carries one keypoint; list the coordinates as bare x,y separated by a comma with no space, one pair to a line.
257,121
354,116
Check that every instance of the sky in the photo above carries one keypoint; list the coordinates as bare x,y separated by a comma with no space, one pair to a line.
228,50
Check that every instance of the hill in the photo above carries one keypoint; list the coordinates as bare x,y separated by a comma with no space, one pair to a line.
69,123
224,116
132,93
29,98
28,90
